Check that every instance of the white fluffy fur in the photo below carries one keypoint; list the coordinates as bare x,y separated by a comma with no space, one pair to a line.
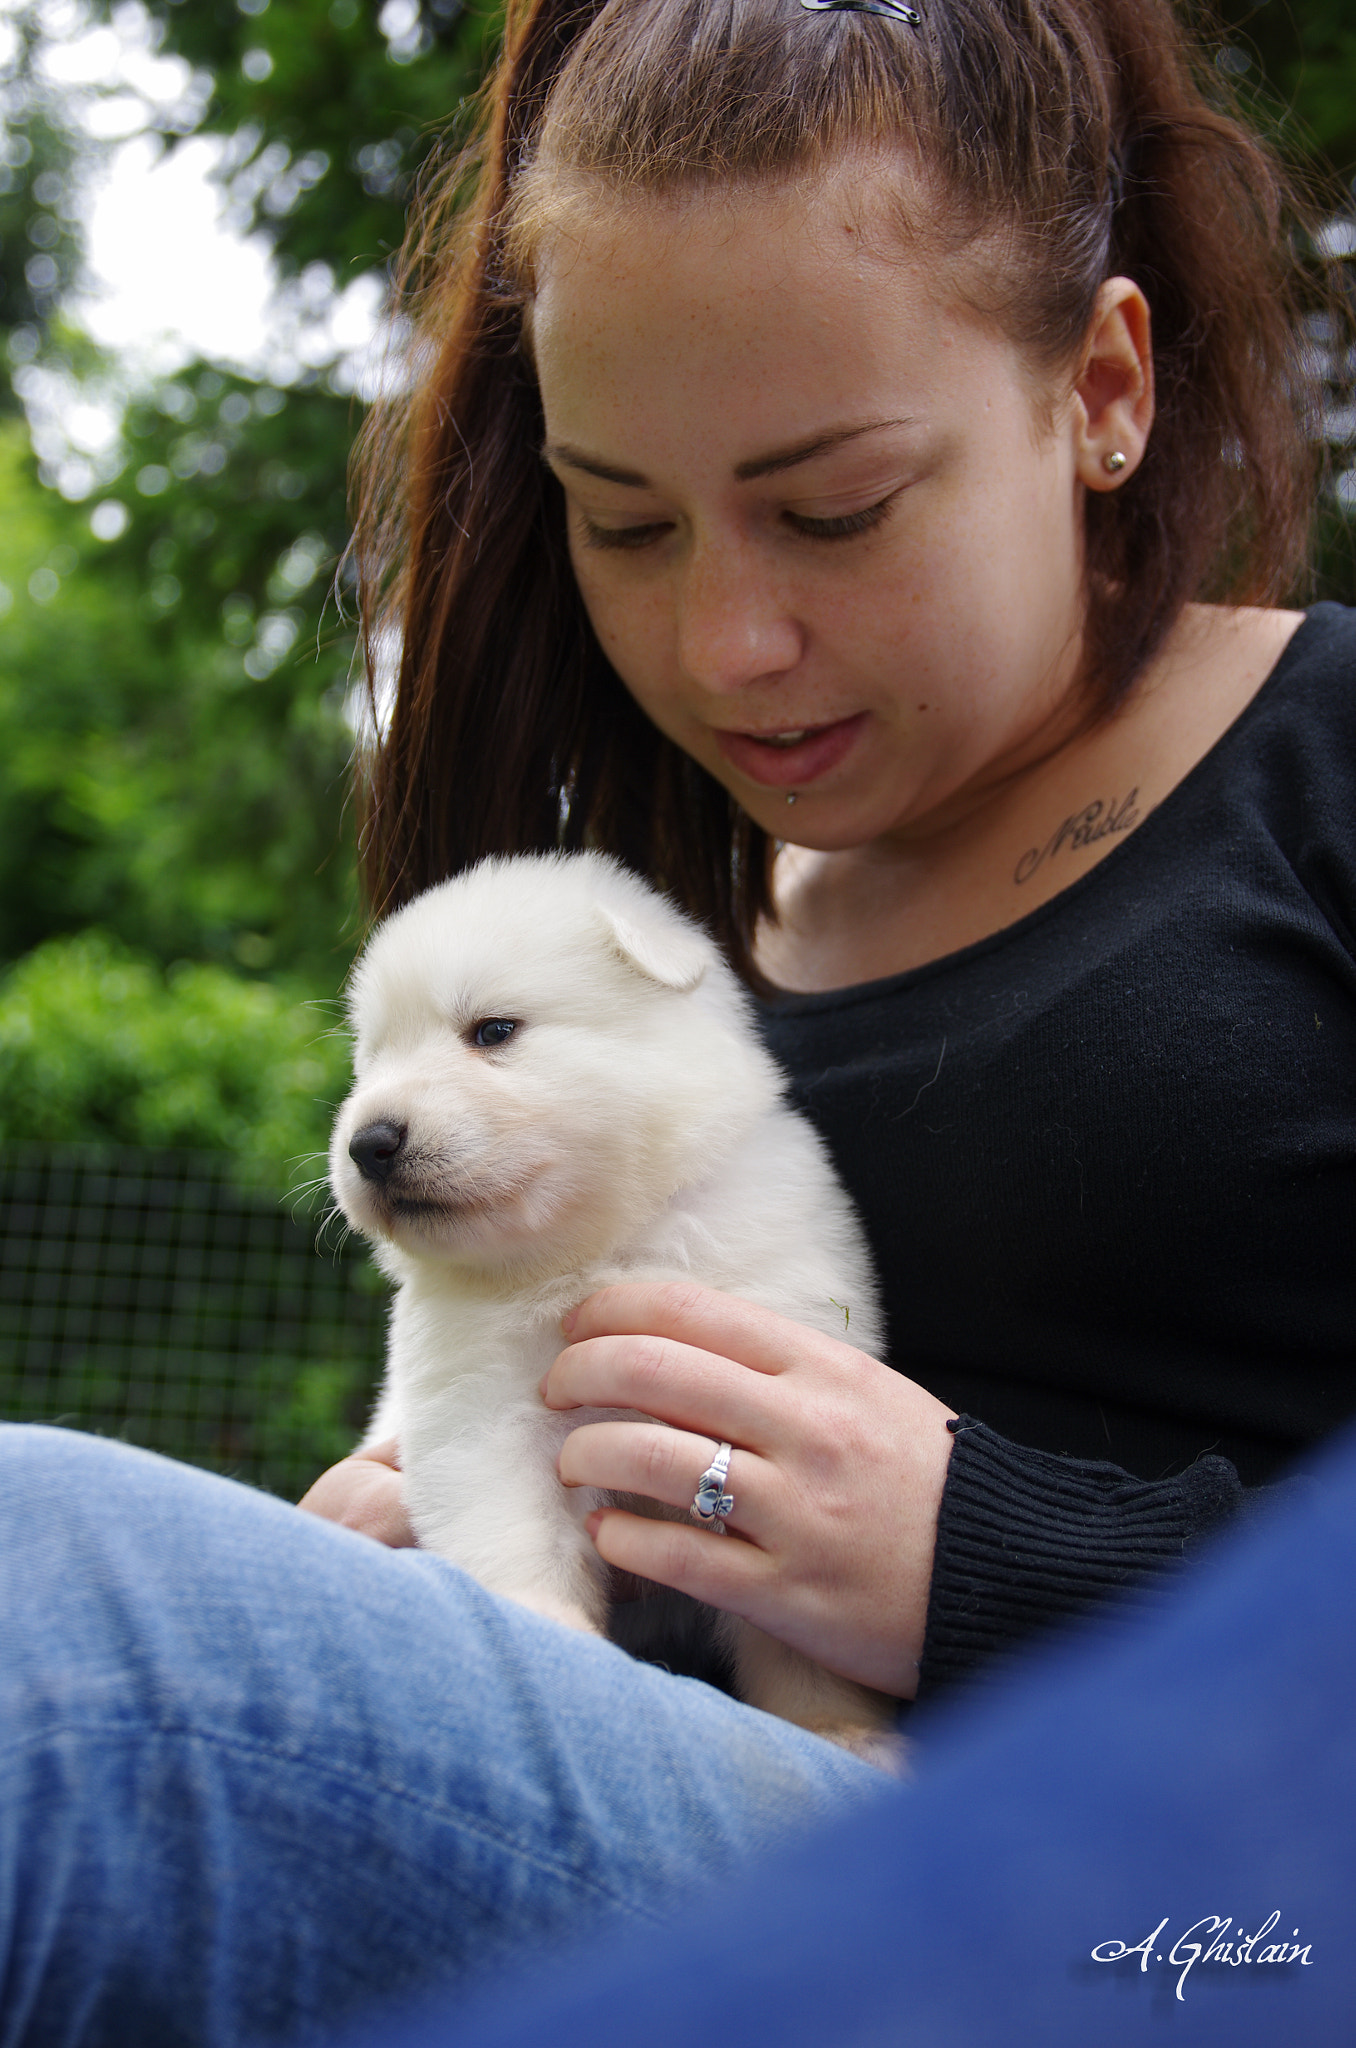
632,1128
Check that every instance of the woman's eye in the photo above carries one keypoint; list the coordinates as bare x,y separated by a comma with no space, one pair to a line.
843,527
622,536
493,1031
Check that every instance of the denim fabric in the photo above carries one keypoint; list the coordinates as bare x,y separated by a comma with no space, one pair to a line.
257,1772
1084,1845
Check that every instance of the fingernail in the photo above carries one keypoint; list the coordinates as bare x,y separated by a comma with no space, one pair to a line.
570,1318
592,1523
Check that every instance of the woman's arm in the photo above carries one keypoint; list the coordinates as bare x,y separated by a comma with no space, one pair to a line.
1026,1539
897,1543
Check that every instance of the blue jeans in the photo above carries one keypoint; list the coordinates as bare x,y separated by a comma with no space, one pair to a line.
258,1772
1140,1836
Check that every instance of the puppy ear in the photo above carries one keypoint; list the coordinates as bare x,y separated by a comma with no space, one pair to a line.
675,959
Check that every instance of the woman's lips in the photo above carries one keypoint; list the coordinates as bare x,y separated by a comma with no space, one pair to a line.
791,766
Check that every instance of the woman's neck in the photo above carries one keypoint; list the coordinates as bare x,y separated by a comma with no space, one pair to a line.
897,903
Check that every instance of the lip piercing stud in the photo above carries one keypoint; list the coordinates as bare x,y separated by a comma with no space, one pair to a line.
1114,463
791,796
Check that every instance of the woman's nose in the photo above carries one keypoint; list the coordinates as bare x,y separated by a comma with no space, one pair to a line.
734,624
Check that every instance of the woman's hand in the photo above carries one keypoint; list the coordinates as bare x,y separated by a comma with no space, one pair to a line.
366,1493
837,1471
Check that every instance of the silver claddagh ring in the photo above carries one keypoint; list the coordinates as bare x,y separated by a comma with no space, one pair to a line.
711,1503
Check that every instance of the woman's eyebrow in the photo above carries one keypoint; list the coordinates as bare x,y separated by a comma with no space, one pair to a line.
745,472
592,465
805,451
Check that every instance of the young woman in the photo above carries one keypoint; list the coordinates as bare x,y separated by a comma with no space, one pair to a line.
856,461
809,497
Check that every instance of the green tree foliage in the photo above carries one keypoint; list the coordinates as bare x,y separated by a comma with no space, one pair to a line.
39,245
1297,63
1294,69
39,240
165,771
335,105
173,744
97,1044
184,786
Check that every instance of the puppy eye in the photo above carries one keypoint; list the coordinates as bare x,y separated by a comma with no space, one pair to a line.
493,1031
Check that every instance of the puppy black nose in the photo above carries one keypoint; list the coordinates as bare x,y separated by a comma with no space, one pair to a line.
375,1149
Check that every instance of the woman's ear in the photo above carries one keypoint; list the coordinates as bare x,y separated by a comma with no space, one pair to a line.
1114,388
674,958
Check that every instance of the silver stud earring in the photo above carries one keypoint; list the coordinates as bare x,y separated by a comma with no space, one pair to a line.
1114,463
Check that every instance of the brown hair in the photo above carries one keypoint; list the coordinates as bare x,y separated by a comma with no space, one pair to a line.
1087,131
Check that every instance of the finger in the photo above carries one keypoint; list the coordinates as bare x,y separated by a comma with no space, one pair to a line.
758,1337
387,1452
687,1388
726,1572
661,1464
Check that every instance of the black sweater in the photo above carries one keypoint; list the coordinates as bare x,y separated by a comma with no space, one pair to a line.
1107,1160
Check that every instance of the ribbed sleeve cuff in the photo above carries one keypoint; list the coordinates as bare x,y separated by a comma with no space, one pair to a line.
1025,1538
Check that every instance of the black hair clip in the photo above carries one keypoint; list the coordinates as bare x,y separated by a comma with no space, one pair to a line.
893,10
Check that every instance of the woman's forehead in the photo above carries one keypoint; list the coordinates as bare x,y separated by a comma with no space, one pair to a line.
784,308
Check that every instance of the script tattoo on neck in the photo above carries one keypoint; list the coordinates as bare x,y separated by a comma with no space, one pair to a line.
1097,820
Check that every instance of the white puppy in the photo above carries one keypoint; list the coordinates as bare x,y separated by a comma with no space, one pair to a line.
559,1086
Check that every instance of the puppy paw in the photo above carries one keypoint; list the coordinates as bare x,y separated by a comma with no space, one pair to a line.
563,1611
880,1747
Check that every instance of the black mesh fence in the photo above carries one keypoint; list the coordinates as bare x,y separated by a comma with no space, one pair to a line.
147,1296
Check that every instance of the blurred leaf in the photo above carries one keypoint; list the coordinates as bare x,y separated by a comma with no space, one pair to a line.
97,1043
165,771
332,113
1297,62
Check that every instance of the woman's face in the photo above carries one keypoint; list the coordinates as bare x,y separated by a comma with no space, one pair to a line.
824,531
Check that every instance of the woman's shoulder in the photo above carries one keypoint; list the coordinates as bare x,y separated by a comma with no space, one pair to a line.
1316,666
1257,706
1298,728
1328,632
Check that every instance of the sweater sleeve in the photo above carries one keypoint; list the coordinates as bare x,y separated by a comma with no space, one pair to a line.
1026,1538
